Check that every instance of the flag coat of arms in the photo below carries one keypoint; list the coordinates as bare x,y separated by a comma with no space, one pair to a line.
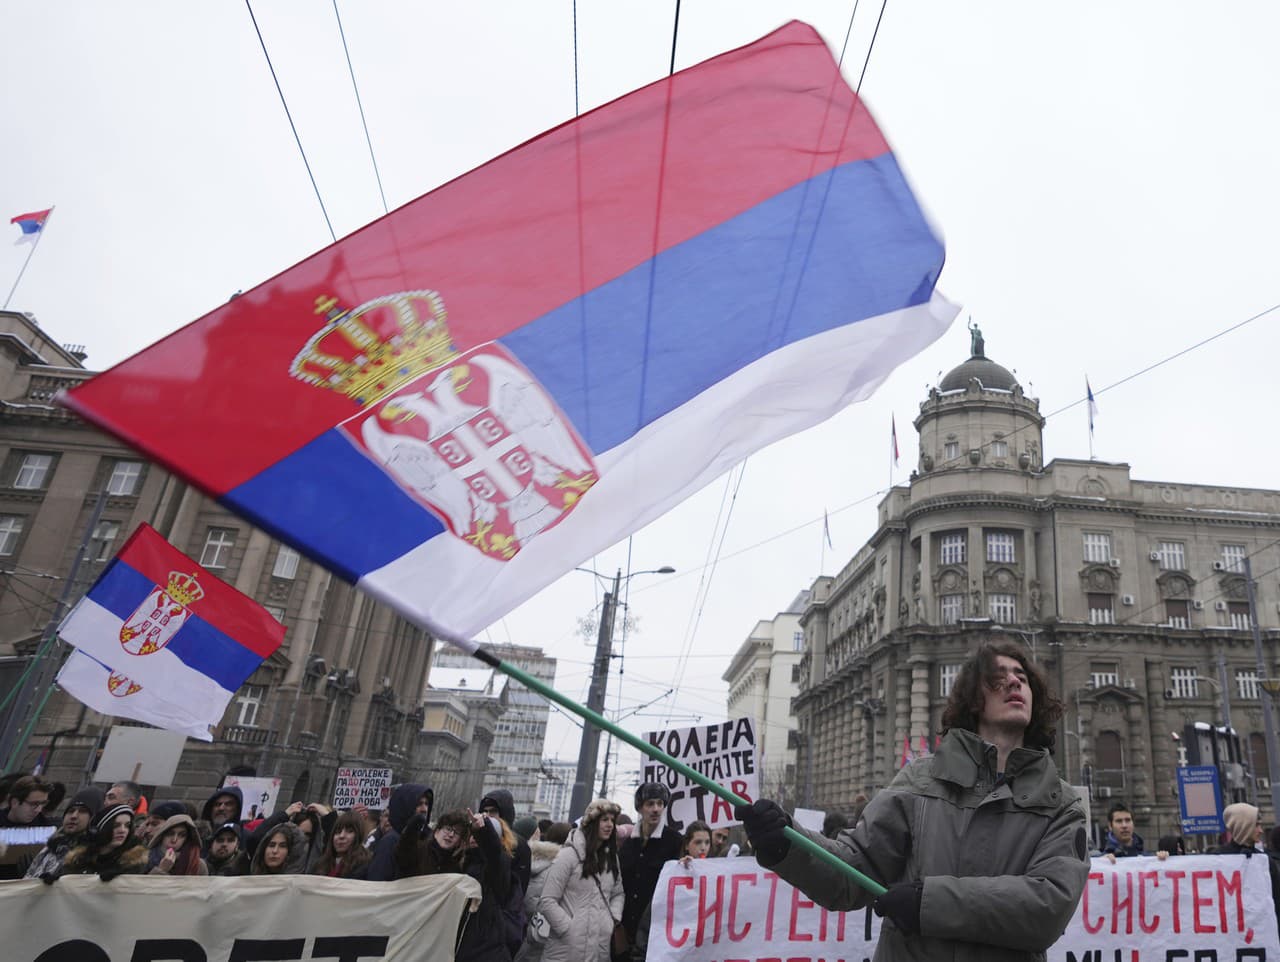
159,629
31,224
466,398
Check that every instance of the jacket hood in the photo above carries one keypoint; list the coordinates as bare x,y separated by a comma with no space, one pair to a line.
964,759
234,791
193,835
542,854
403,802
502,800
294,862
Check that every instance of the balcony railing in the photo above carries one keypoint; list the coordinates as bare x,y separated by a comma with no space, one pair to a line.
43,387
247,734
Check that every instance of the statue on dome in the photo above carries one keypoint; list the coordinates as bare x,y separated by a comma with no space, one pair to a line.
977,347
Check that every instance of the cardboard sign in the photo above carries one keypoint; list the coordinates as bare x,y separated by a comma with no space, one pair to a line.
370,787
259,794
1200,800
725,753
148,756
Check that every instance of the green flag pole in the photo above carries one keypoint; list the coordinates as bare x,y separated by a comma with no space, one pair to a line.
546,691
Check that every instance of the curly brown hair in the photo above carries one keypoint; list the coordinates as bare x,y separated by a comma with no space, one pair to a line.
978,674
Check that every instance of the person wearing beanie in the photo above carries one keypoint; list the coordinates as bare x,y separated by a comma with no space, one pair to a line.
1244,822
110,849
641,857
157,815
73,831
526,826
583,895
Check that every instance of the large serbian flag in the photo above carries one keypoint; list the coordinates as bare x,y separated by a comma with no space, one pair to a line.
460,402
161,640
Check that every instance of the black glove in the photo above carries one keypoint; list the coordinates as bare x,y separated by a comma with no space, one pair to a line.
901,905
48,878
107,874
419,826
765,821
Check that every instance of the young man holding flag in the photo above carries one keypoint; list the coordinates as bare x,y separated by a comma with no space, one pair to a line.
981,845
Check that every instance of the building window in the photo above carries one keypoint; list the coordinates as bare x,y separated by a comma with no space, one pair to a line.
950,609
1247,684
1258,747
1000,546
10,532
247,702
999,449
1238,614
1097,547
951,450
1233,558
1102,674
1109,761
33,472
1184,682
286,563
1173,556
104,536
124,478
1178,613
795,674
947,675
276,612
797,641
953,549
1002,607
1102,608
217,547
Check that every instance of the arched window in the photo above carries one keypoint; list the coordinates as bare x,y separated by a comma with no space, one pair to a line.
1258,746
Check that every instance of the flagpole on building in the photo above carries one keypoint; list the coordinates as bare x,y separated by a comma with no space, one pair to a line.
30,253
35,692
715,788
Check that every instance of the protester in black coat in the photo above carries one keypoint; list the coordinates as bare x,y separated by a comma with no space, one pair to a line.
501,803
641,858
406,801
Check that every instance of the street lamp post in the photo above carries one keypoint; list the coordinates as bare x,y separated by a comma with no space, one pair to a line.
589,749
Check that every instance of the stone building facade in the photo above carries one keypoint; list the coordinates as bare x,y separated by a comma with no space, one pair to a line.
1131,594
346,687
762,678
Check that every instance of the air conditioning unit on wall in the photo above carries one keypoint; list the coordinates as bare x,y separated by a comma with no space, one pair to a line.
1219,606
1114,562
1219,566
1198,605
1154,556
1126,600
1104,791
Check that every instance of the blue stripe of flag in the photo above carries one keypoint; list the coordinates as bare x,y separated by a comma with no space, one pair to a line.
198,645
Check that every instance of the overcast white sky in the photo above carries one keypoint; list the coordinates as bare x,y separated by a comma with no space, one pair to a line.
1104,174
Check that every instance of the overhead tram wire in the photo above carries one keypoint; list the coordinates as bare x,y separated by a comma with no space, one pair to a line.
360,104
284,103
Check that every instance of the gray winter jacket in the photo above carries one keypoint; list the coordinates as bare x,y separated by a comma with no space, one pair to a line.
1003,865
581,914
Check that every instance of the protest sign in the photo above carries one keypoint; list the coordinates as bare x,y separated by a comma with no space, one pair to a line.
370,787
1206,908
259,794
1200,800
291,917
724,752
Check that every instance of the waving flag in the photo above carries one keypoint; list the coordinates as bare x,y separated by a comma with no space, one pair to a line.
1093,405
893,439
31,224
94,684
463,400
156,621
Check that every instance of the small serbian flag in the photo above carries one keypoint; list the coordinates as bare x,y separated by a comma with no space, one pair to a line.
32,224
893,439
157,622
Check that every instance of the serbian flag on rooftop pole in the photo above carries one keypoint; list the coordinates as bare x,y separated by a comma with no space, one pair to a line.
161,640
465,399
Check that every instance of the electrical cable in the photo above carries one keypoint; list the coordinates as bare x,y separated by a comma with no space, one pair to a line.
364,123
284,103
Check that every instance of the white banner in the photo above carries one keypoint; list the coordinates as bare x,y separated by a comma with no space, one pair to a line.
1201,908
134,918
725,753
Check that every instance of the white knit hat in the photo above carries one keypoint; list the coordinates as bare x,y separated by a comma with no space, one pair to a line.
600,807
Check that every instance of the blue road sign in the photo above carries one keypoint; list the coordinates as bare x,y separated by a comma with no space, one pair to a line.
1200,800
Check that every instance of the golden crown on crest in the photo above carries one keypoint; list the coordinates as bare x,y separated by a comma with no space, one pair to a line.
369,352
183,588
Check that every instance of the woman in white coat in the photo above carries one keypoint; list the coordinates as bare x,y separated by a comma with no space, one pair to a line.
583,897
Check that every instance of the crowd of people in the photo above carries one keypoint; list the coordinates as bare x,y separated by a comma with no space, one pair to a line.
1003,870
551,891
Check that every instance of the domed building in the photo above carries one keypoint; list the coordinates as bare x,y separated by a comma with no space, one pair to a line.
1130,594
